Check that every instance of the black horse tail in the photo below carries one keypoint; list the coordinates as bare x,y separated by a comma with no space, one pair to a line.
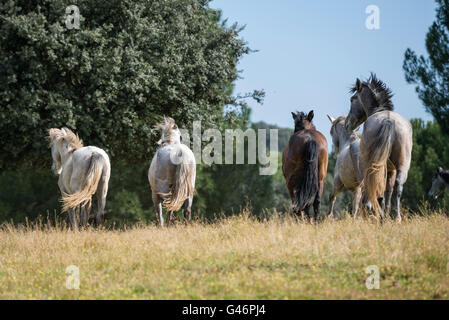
306,184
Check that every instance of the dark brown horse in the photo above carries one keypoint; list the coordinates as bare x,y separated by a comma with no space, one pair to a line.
304,164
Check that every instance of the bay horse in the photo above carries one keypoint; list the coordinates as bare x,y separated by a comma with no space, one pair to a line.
83,172
172,173
386,145
348,171
304,165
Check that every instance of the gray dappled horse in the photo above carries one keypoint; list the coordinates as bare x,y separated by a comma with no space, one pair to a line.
348,172
172,173
439,183
83,171
386,143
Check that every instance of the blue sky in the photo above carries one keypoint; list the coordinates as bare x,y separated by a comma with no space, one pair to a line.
311,52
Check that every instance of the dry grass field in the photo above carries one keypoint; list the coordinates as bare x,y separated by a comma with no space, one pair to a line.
236,258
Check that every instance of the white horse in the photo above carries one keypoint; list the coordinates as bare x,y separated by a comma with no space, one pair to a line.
348,172
172,173
83,171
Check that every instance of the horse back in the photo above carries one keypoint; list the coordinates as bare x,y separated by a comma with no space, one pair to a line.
292,156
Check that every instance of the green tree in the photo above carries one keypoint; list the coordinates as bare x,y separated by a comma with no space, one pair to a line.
129,63
430,150
432,74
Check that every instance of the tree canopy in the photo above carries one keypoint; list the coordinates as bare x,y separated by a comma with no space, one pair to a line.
430,150
431,75
111,80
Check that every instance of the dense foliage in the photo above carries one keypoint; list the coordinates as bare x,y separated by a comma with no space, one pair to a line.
129,63
431,75
430,150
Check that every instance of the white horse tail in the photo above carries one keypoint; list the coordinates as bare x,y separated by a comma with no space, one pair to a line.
183,187
376,152
84,196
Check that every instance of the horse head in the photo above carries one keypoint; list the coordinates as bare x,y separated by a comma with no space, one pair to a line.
369,97
356,115
303,121
438,183
169,131
63,142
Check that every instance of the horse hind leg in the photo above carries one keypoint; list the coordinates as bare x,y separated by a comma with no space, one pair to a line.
188,209
307,213
75,213
171,218
338,188
85,212
73,218
401,177
316,206
391,180
158,207
102,192
356,202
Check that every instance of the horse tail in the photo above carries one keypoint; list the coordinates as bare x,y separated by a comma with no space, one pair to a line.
90,185
306,185
183,186
375,155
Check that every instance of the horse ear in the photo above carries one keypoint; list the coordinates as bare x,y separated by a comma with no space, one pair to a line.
331,119
358,85
294,115
310,115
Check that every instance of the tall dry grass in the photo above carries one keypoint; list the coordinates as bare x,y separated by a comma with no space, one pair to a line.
236,258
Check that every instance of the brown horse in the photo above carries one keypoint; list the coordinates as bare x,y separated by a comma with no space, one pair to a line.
304,165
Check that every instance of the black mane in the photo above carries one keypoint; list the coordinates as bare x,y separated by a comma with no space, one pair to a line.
380,91
301,117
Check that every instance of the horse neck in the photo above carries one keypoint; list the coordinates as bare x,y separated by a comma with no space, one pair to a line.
309,127
65,157
372,109
170,142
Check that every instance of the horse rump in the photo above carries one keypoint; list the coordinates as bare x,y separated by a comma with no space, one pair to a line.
306,184
182,188
90,185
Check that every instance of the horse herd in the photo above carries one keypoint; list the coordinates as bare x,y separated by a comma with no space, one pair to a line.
372,165
85,171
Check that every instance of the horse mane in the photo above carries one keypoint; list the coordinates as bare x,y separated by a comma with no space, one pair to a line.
382,94
164,123
58,135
